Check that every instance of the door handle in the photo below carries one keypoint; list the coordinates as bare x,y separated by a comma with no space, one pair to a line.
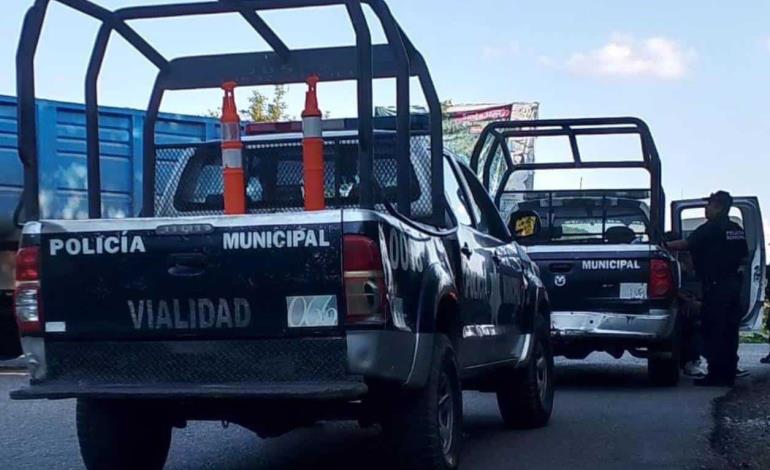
185,271
466,250
560,268
187,264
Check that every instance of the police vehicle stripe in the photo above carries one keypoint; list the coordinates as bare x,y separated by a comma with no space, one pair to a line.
247,220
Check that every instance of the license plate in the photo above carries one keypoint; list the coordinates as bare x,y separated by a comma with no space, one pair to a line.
311,311
633,290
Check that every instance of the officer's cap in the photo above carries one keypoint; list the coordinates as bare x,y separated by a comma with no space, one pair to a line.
723,198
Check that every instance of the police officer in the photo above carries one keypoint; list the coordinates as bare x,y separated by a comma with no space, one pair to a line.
766,359
718,249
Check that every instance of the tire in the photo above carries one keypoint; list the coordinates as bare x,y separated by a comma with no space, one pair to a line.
525,395
121,435
425,426
10,345
664,372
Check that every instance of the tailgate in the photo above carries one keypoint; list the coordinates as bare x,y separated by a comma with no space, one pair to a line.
202,277
603,278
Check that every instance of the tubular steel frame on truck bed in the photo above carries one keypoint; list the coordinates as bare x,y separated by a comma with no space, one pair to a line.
364,62
501,131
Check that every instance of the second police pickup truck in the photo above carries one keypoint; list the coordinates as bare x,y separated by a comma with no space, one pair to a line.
382,308
613,286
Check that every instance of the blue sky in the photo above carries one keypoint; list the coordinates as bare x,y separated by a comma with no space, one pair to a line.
696,71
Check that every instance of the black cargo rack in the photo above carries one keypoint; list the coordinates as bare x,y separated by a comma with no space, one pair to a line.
364,62
500,132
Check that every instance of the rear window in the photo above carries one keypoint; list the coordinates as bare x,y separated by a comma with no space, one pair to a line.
274,181
694,217
589,220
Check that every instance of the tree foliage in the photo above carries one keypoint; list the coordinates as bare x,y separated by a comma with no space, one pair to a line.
445,105
263,108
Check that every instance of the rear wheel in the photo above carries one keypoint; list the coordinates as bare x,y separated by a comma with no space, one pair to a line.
663,371
425,426
525,396
122,435
10,346
664,363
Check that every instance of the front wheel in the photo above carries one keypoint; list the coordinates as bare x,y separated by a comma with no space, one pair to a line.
425,426
525,396
122,435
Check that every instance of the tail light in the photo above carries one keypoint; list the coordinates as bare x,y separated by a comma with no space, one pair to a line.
365,290
27,293
661,279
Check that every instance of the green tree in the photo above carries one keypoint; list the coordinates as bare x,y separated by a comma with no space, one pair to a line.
262,108
445,105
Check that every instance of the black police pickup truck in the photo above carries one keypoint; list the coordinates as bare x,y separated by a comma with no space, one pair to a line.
613,286
9,336
381,308
332,314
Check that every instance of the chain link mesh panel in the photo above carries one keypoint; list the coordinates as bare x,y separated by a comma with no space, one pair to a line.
189,177
422,207
169,160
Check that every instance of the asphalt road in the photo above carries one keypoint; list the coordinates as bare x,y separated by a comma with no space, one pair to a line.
607,416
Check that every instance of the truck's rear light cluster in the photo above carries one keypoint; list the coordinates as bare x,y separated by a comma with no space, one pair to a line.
27,293
365,290
661,283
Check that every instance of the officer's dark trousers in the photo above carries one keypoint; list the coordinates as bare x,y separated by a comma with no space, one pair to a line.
721,320
692,341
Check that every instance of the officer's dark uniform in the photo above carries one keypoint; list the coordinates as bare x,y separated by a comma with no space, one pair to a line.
718,249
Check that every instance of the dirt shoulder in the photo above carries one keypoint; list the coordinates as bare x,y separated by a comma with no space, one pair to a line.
741,435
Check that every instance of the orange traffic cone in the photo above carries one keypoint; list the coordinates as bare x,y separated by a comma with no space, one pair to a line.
232,154
313,149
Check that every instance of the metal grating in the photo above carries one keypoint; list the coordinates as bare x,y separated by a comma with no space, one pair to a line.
199,362
189,177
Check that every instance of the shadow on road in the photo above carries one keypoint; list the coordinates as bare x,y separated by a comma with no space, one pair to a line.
575,376
325,446
343,446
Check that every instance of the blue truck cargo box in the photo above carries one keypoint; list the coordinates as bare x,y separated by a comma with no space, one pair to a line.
62,157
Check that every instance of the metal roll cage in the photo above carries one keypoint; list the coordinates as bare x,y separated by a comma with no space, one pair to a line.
364,62
501,131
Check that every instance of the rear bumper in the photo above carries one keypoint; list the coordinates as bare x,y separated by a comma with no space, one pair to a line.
656,326
289,368
338,390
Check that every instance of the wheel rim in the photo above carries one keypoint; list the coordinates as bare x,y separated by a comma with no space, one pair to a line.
446,415
541,370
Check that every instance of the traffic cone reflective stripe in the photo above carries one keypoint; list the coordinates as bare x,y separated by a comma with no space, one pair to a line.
232,154
313,150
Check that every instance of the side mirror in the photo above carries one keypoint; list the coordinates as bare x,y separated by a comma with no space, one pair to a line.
524,224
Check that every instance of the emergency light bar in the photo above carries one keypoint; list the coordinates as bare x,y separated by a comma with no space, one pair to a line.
419,124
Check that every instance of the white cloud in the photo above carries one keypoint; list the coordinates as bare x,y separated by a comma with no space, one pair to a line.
546,61
626,57
500,51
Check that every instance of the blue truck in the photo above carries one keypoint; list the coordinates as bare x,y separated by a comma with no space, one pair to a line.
62,169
